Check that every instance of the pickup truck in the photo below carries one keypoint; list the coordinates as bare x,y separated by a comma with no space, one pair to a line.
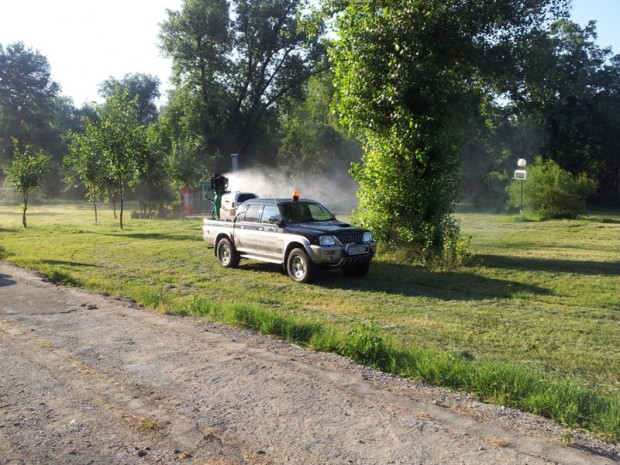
301,235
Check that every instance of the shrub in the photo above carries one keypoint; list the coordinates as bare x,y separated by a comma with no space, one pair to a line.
551,191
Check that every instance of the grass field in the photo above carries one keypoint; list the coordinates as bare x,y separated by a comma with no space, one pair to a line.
532,322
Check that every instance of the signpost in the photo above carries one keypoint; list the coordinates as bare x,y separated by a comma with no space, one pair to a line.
521,175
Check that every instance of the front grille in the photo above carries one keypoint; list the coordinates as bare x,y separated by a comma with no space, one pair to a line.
351,237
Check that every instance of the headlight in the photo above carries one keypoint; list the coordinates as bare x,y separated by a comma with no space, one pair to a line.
327,240
367,237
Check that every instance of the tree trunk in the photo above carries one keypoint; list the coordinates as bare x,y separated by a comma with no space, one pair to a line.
181,203
95,207
24,211
121,195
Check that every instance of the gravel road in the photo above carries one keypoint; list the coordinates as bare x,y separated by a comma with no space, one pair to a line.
87,379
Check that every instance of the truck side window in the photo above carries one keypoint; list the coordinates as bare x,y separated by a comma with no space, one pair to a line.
253,213
270,212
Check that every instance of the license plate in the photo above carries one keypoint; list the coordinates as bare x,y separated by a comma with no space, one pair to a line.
357,250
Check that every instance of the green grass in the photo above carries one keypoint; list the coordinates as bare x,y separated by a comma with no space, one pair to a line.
533,322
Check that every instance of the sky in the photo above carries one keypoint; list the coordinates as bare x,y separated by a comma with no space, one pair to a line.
89,41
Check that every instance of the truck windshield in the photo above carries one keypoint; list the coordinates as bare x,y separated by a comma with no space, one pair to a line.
305,213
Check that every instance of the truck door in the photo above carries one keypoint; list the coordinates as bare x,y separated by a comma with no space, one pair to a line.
246,230
272,240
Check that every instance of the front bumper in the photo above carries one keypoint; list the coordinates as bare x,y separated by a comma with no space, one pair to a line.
338,255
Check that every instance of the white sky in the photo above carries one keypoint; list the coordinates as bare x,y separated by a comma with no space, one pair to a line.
87,41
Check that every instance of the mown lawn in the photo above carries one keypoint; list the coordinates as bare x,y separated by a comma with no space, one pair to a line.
543,297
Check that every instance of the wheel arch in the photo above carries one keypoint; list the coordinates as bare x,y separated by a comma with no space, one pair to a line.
293,245
218,239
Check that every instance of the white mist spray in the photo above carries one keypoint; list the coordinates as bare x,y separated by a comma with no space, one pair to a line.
338,195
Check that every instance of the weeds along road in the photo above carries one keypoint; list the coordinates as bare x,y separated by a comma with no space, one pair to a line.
86,379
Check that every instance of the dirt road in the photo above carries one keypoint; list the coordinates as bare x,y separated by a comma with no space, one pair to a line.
86,379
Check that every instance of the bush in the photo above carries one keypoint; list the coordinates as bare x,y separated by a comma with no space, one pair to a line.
551,192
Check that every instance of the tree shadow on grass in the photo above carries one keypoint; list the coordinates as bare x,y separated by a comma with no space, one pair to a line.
157,236
69,263
410,280
549,265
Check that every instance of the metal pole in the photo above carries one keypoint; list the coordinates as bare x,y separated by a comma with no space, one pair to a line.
521,204
235,162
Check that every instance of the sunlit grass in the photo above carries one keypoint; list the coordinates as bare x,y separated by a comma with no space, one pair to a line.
539,297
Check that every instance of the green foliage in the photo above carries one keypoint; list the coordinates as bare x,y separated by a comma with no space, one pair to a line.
312,145
364,344
552,192
113,151
62,277
568,91
25,173
144,86
85,164
408,87
226,102
406,204
27,100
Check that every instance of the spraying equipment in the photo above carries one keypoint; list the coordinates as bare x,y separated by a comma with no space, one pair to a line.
219,184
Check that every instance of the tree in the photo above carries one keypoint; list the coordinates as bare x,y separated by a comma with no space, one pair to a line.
153,175
313,149
190,156
28,102
25,173
197,39
145,86
112,149
123,141
86,164
232,74
570,89
276,58
143,89
409,76
552,192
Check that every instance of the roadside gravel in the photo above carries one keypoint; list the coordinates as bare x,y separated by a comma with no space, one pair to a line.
87,379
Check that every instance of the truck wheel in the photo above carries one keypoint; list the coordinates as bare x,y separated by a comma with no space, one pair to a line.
226,254
358,270
299,266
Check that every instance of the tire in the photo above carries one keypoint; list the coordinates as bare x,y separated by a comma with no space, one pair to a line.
226,254
358,270
299,266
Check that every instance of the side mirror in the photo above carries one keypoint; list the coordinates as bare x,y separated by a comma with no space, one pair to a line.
274,220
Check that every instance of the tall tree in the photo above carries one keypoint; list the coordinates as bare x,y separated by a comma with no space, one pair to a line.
27,101
145,86
570,89
312,144
143,89
410,74
197,39
275,59
237,71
